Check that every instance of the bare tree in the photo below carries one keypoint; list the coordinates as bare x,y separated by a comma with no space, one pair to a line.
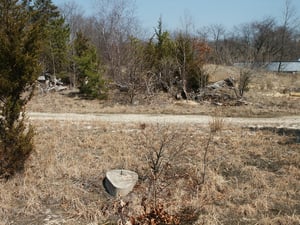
73,15
164,149
74,18
217,35
133,77
264,43
244,43
284,31
116,24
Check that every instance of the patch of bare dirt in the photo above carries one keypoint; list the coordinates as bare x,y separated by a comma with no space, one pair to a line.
291,122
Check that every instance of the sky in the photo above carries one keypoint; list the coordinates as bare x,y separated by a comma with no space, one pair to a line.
175,13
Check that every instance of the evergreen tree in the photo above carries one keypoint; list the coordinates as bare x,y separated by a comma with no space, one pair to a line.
56,47
190,56
20,39
176,59
90,81
160,57
54,54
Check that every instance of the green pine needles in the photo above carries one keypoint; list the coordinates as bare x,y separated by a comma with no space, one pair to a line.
90,81
20,41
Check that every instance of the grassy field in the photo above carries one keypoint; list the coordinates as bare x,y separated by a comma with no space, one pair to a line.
214,174
267,96
252,177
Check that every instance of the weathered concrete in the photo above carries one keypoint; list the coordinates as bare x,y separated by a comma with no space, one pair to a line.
120,182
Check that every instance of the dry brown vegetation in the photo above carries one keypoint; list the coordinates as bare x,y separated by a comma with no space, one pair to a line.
251,176
267,97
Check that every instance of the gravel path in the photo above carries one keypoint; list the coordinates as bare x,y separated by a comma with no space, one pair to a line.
291,122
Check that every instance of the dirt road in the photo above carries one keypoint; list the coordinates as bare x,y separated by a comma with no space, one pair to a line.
291,122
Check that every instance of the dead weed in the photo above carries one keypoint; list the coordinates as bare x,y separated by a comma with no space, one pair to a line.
251,176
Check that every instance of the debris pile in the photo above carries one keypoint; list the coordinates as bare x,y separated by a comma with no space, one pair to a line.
222,92
47,83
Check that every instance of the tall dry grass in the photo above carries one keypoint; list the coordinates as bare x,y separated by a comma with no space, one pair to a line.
267,96
252,177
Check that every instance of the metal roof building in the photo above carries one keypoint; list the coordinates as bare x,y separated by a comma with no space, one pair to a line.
285,66
288,67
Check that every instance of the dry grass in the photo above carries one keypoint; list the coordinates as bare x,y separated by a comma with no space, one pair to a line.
266,98
253,177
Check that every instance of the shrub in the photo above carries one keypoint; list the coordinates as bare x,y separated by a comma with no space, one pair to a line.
16,144
20,41
244,81
90,81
